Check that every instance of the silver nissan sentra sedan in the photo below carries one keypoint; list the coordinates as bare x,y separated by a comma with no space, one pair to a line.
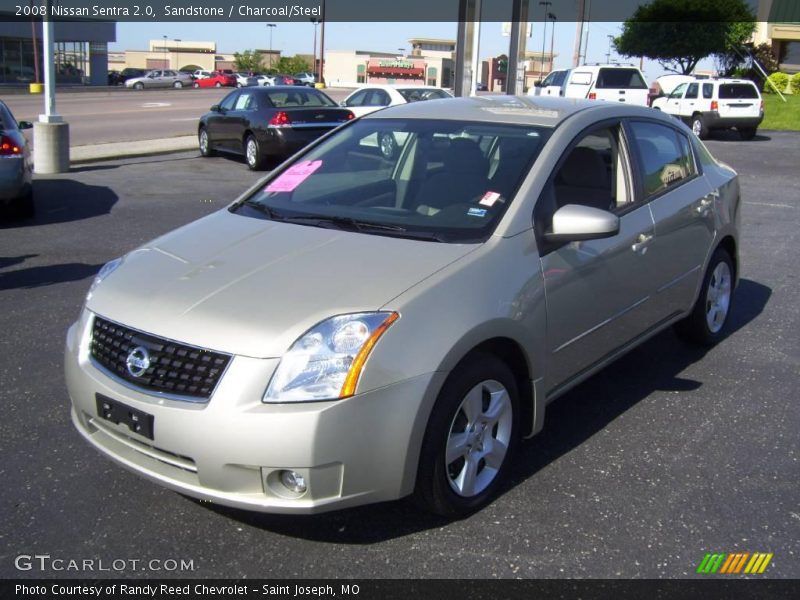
364,325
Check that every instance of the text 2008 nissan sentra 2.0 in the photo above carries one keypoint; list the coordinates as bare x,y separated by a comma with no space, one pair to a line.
362,325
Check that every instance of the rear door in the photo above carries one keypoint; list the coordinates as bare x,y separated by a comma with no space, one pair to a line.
682,203
738,100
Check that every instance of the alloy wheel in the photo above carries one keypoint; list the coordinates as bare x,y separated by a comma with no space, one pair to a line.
478,439
718,297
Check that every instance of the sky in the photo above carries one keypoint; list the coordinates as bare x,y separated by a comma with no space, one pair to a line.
298,38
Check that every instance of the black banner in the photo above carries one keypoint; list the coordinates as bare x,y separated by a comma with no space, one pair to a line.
330,10
366,589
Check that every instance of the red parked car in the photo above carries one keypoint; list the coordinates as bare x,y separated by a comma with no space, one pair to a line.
218,79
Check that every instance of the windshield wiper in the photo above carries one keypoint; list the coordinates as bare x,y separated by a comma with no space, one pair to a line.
367,227
261,208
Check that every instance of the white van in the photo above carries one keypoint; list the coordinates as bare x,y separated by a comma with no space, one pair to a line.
615,83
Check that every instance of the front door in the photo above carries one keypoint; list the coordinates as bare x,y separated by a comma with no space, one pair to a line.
597,291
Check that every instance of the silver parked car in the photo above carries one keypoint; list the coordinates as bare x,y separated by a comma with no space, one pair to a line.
16,167
160,79
360,327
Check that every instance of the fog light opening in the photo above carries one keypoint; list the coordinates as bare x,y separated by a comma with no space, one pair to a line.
293,481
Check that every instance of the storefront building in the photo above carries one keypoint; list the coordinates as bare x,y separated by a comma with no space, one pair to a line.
421,67
175,54
80,52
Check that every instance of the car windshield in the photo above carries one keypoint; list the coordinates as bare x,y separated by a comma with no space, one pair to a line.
300,97
415,95
436,180
737,91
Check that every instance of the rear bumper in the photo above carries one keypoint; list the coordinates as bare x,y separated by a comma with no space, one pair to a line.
286,141
715,121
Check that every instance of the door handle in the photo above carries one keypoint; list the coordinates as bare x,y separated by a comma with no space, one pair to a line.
707,202
642,242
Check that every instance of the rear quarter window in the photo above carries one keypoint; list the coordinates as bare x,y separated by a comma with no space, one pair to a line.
581,78
737,91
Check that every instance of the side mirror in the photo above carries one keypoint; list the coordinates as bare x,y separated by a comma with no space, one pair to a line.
25,125
537,84
343,103
575,222
215,108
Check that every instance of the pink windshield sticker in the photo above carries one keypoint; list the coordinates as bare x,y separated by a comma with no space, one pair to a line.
293,176
489,198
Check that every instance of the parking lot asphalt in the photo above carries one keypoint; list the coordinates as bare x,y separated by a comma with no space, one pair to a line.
670,453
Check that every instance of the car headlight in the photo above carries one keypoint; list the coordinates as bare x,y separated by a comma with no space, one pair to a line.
326,361
104,272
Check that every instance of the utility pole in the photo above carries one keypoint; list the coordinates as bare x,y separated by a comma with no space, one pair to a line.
50,132
546,4
166,64
608,54
553,18
322,47
270,27
314,68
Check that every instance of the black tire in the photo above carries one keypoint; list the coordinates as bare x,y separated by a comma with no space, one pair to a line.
699,126
438,480
22,208
747,133
195,85
138,85
177,85
696,328
218,84
204,142
252,154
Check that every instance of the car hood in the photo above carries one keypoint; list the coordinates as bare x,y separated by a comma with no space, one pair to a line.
251,286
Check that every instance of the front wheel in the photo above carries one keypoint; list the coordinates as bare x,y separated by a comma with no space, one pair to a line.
747,133
388,145
218,84
138,86
177,85
252,154
205,143
470,437
706,322
195,85
699,127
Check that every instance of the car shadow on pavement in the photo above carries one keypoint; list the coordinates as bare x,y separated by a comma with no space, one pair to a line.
570,421
35,277
729,135
62,200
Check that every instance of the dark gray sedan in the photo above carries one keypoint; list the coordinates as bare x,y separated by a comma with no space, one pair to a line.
16,167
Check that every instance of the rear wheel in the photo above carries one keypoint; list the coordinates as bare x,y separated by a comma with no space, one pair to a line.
699,126
218,84
706,322
252,154
388,145
205,143
747,133
470,437
177,85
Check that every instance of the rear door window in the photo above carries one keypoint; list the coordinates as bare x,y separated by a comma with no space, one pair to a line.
708,90
665,157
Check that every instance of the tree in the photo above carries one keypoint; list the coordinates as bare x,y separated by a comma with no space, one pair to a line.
680,33
289,65
248,61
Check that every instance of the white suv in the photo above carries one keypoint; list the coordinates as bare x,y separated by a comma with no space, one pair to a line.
615,83
716,104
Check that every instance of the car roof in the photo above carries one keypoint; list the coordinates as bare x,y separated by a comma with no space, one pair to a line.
396,86
543,111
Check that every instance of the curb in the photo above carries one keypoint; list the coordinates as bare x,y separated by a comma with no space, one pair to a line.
116,150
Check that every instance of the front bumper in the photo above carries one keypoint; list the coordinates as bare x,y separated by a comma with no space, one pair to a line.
229,451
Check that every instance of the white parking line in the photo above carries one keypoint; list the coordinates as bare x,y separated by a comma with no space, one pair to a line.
770,204
187,119
156,104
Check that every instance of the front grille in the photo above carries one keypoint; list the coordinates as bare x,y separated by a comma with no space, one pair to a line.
174,368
